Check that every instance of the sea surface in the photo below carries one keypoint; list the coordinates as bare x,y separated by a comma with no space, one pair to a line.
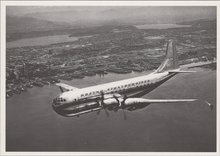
40,41
32,125
47,40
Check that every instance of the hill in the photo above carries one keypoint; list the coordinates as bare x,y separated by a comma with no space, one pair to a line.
28,24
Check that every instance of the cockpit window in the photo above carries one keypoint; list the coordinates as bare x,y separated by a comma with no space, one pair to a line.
60,99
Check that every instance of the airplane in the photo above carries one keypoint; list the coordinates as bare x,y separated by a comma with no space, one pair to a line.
124,94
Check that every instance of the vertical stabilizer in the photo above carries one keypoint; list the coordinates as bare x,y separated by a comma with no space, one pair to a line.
171,60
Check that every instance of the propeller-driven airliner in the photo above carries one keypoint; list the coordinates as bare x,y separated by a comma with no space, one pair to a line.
124,94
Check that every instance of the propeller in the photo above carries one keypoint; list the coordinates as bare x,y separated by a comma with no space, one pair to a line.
123,102
118,102
106,112
103,105
123,106
124,114
102,99
98,112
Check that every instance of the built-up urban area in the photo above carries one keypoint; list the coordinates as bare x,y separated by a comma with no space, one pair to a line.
104,49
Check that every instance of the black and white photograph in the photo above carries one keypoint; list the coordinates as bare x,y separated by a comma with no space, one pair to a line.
109,78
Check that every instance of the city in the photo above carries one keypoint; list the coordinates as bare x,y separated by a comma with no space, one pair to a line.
104,49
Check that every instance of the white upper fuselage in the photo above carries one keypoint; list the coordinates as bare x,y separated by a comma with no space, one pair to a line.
110,88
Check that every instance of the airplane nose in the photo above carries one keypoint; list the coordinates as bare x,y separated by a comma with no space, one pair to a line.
59,107
55,102
58,101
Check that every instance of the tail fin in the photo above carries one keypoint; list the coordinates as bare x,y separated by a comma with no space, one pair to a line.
171,60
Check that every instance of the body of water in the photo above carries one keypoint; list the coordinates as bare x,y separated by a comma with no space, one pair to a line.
40,41
47,40
160,26
32,125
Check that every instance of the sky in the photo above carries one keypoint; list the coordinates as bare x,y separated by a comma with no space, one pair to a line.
96,14
22,10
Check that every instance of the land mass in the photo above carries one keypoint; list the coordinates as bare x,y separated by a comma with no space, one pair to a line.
106,48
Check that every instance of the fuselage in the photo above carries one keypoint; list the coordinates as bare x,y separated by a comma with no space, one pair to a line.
132,87
123,94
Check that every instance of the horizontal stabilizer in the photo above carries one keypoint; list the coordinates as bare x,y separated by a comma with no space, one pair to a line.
181,71
66,87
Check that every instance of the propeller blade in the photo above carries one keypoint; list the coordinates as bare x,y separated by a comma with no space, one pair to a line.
119,103
106,112
124,114
98,112
123,102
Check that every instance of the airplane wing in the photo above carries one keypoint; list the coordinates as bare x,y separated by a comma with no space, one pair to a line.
66,87
83,112
164,100
133,101
129,104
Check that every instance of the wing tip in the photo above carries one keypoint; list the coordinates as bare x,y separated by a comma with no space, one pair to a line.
211,106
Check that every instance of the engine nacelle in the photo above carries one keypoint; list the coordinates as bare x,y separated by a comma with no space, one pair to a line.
128,103
110,101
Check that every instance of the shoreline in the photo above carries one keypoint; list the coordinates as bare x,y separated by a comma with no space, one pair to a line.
40,82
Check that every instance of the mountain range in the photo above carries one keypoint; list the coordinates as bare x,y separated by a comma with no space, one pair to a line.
28,19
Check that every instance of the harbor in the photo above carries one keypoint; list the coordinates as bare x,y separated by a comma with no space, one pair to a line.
40,82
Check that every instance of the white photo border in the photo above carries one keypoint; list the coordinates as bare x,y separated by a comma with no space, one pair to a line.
97,3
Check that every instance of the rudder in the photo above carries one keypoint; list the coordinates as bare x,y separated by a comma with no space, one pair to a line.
171,60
